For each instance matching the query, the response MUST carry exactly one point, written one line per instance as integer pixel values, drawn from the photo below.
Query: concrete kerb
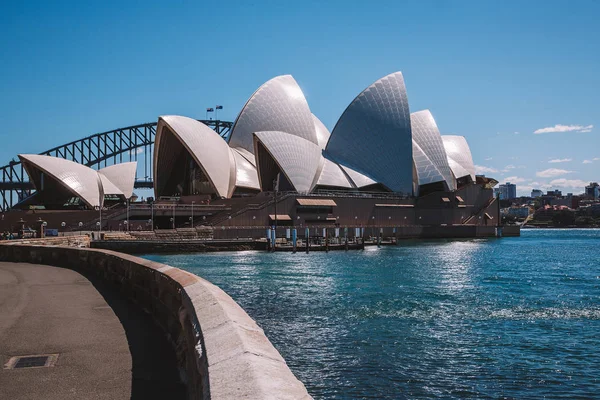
(222, 352)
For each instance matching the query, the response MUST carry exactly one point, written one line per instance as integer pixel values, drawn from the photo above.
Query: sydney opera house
(381, 165)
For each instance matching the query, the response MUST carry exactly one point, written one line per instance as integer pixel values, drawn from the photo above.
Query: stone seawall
(189, 246)
(222, 353)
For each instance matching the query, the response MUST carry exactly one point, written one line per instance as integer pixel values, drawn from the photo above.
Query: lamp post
(80, 225)
(127, 203)
(173, 222)
(63, 224)
(173, 219)
(193, 213)
(152, 216)
(100, 220)
(275, 189)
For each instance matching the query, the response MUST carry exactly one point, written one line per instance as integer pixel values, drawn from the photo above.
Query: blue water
(482, 318)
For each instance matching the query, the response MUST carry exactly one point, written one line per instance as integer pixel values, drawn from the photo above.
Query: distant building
(536, 193)
(507, 191)
(592, 190)
(554, 193)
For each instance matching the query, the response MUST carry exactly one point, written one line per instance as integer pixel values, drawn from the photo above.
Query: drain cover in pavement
(33, 361)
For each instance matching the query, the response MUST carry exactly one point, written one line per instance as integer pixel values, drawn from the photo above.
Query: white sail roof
(245, 173)
(426, 169)
(246, 154)
(373, 135)
(426, 135)
(80, 180)
(122, 176)
(459, 153)
(207, 148)
(278, 105)
(298, 158)
(322, 132)
(108, 187)
(332, 175)
(359, 180)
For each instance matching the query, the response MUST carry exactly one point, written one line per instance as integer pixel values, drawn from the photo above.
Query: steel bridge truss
(133, 143)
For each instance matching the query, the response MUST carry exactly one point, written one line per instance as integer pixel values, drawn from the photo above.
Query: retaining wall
(222, 352)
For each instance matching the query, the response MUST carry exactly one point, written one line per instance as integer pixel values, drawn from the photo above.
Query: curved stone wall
(222, 352)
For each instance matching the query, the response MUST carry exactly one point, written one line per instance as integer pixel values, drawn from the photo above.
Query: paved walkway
(108, 348)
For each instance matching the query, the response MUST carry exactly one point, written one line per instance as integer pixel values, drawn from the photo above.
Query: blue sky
(495, 72)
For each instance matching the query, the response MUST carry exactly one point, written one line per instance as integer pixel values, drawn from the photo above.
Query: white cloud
(508, 168)
(139, 150)
(480, 169)
(569, 183)
(515, 179)
(564, 128)
(489, 158)
(587, 161)
(596, 158)
(559, 160)
(517, 133)
(552, 172)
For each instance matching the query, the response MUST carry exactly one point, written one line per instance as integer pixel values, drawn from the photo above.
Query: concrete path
(108, 348)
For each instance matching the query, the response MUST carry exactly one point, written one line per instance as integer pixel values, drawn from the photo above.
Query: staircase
(476, 213)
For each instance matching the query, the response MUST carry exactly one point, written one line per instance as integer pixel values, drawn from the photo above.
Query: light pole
(80, 225)
(275, 187)
(127, 203)
(152, 216)
(173, 219)
(63, 224)
(173, 222)
(193, 213)
(100, 221)
(98, 225)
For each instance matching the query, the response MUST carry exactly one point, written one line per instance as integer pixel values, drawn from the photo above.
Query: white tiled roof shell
(332, 175)
(122, 175)
(457, 149)
(426, 169)
(373, 135)
(425, 133)
(278, 105)
(359, 180)
(322, 132)
(245, 173)
(80, 180)
(298, 158)
(208, 149)
(247, 155)
(108, 187)
(457, 169)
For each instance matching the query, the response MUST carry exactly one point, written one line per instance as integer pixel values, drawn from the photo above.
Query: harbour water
(481, 318)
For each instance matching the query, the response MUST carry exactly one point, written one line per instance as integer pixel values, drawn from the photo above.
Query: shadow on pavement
(154, 366)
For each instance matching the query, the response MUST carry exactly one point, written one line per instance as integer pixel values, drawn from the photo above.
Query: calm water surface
(511, 317)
